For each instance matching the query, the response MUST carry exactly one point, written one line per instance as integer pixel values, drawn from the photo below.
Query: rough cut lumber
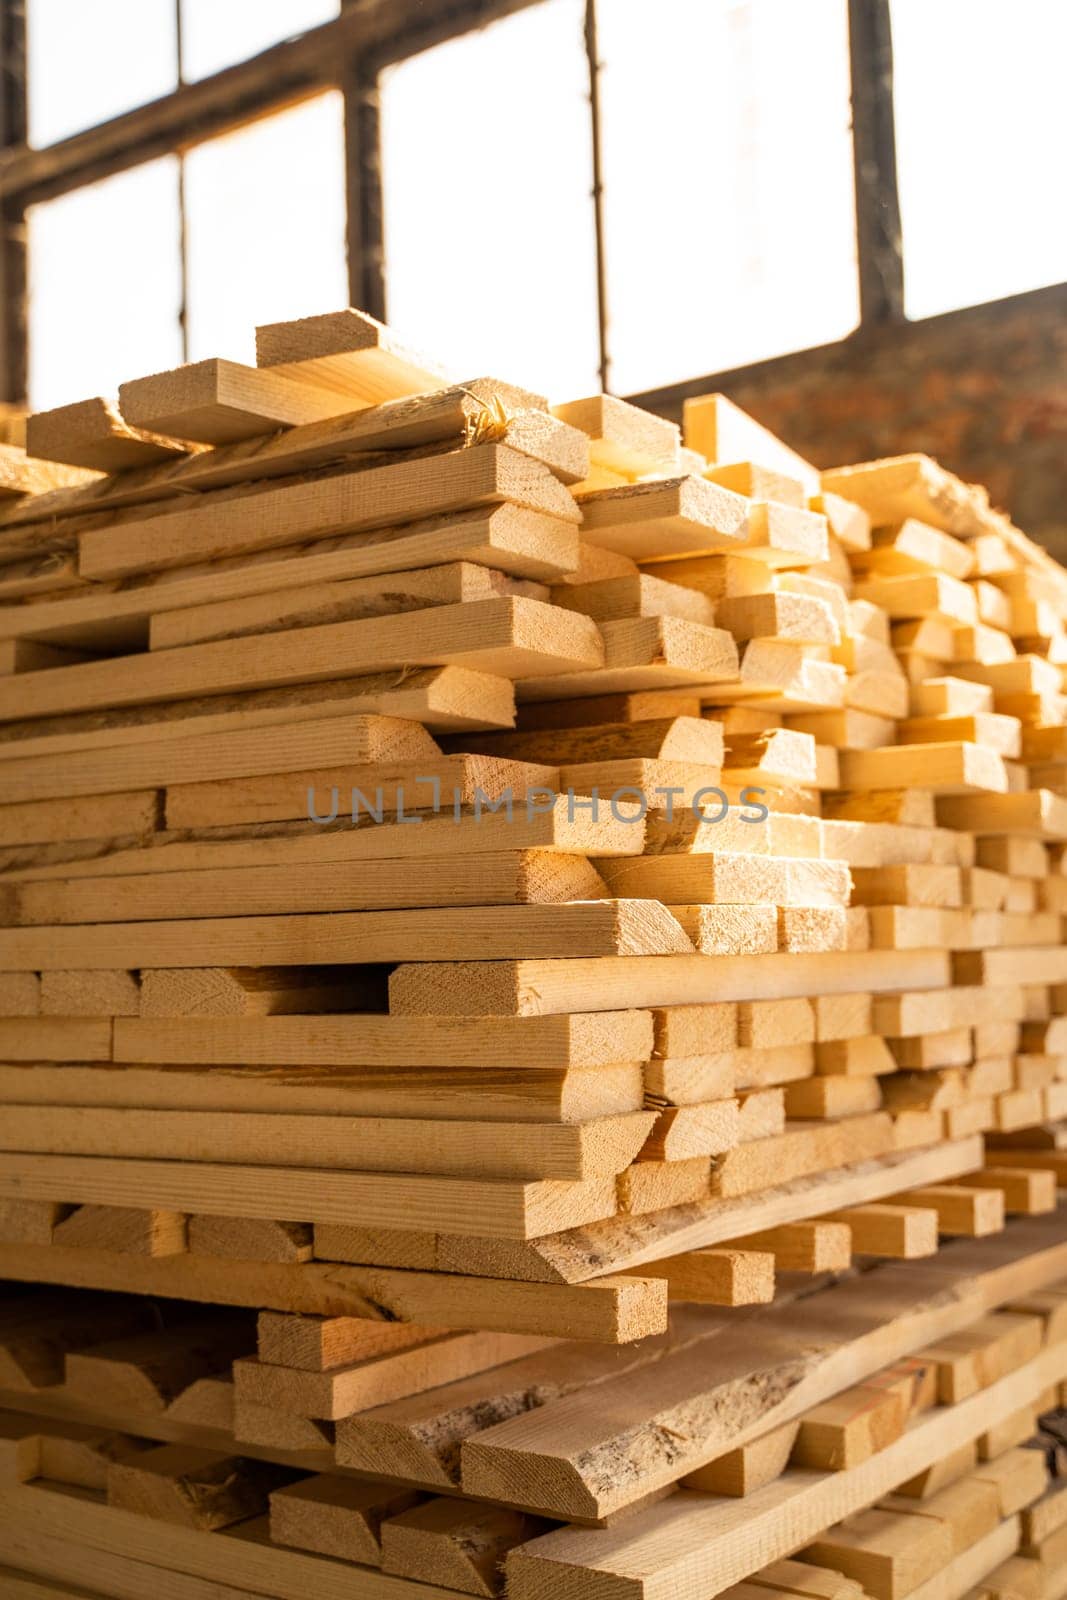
(88, 994)
(730, 1277)
(219, 402)
(375, 1380)
(530, 988)
(625, 1241)
(623, 438)
(503, 538)
(499, 933)
(521, 877)
(482, 783)
(215, 757)
(693, 1544)
(723, 433)
(192, 1487)
(336, 1516)
(572, 1152)
(314, 1344)
(492, 1094)
(250, 1239)
(647, 653)
(446, 417)
(454, 1543)
(611, 1311)
(240, 521)
(504, 637)
(147, 1371)
(563, 1039)
(24, 475)
(663, 517)
(438, 698)
(91, 433)
(496, 1207)
(898, 1231)
(347, 351)
(339, 600)
(251, 992)
(128, 1229)
(130, 816)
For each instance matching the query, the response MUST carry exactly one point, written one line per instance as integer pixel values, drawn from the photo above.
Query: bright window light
(728, 179)
(981, 131)
(489, 229)
(265, 227)
(217, 33)
(89, 60)
(105, 285)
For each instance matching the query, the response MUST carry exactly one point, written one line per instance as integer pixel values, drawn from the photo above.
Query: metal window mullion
(878, 236)
(363, 170)
(592, 53)
(13, 267)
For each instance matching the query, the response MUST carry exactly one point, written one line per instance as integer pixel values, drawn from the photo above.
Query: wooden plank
(573, 1152)
(512, 878)
(256, 991)
(648, 653)
(504, 538)
(622, 1242)
(335, 601)
(131, 1230)
(92, 433)
(437, 697)
(689, 739)
(663, 517)
(378, 497)
(147, 1371)
(623, 438)
(336, 1516)
(703, 1543)
(348, 351)
(212, 757)
(563, 1039)
(496, 1207)
(219, 402)
(724, 433)
(85, 817)
(89, 994)
(454, 1543)
(612, 1311)
(396, 788)
(504, 637)
(446, 417)
(729, 1277)
(314, 1344)
(498, 933)
(492, 1094)
(24, 475)
(559, 830)
(560, 1461)
(527, 988)
(378, 1379)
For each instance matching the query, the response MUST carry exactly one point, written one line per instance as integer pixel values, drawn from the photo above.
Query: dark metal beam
(281, 76)
(592, 52)
(881, 267)
(13, 127)
(363, 167)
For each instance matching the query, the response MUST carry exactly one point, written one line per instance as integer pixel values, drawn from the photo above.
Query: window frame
(349, 53)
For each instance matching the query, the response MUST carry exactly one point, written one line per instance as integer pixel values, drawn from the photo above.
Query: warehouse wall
(984, 390)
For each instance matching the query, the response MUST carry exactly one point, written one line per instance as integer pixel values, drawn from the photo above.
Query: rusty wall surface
(984, 390)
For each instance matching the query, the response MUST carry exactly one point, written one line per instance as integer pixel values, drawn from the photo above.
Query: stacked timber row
(515, 930)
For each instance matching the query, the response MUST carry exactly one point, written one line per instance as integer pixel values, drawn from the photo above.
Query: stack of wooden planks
(472, 863)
